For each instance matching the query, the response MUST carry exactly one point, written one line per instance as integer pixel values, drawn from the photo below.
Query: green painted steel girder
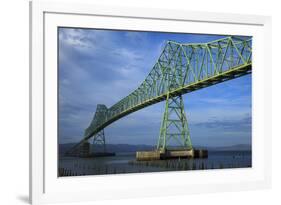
(174, 125)
(181, 68)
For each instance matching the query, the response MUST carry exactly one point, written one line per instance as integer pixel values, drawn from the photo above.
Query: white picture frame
(46, 187)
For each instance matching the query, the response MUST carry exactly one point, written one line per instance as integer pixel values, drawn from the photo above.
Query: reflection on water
(126, 163)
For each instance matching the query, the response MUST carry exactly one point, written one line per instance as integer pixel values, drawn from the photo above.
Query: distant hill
(110, 147)
(133, 148)
(238, 147)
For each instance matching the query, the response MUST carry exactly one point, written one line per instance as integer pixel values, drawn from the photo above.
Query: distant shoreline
(133, 148)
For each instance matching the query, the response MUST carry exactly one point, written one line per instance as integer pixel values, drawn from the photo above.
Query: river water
(126, 163)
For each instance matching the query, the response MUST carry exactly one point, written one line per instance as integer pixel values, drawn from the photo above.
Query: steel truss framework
(174, 125)
(99, 139)
(181, 68)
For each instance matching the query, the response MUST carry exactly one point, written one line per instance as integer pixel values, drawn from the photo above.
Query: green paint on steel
(99, 139)
(174, 125)
(186, 66)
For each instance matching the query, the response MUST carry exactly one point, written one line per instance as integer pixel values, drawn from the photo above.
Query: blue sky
(103, 66)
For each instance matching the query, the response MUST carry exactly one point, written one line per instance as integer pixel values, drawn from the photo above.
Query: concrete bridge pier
(171, 154)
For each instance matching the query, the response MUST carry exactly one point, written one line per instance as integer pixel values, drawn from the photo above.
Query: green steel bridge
(181, 68)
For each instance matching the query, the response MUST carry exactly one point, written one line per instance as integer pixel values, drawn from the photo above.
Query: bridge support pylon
(99, 139)
(174, 125)
(84, 149)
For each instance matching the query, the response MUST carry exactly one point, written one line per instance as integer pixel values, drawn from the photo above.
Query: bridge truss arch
(181, 68)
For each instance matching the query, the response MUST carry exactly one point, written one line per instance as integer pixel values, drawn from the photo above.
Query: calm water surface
(126, 163)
